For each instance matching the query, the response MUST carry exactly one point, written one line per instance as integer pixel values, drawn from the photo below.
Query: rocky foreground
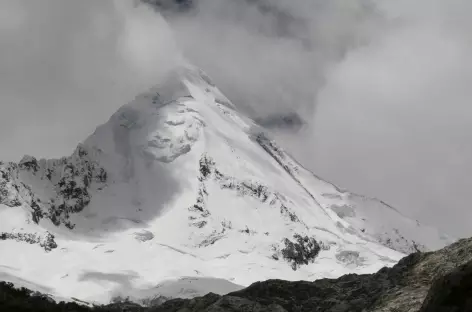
(425, 282)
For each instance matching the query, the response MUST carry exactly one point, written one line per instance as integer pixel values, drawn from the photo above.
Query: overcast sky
(66, 66)
(385, 90)
(395, 117)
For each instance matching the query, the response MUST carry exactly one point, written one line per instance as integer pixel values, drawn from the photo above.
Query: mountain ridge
(419, 282)
(180, 176)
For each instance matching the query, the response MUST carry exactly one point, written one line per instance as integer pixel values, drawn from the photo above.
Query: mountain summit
(178, 188)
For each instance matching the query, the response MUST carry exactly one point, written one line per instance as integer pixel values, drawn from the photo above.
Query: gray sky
(66, 66)
(385, 91)
(395, 117)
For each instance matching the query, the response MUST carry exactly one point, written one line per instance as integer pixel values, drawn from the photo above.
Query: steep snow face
(179, 184)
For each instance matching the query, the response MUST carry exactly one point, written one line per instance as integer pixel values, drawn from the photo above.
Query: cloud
(146, 41)
(384, 90)
(67, 66)
(394, 117)
(382, 86)
(270, 56)
(12, 15)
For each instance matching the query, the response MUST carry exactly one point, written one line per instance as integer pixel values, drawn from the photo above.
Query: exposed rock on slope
(47, 241)
(451, 292)
(53, 189)
(302, 251)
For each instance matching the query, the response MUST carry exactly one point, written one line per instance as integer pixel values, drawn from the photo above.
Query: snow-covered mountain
(179, 187)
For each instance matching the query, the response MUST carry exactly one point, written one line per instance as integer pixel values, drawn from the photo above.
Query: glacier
(180, 188)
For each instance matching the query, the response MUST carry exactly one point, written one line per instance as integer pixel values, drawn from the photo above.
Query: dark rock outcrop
(209, 170)
(46, 241)
(301, 251)
(68, 181)
(451, 292)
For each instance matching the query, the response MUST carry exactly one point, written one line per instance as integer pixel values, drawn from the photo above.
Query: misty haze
(160, 149)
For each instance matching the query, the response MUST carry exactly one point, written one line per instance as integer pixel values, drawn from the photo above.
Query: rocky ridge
(53, 189)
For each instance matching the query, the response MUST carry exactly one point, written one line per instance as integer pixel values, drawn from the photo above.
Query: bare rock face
(52, 189)
(451, 292)
(45, 241)
(301, 250)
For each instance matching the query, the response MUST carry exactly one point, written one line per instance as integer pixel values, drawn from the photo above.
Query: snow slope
(179, 184)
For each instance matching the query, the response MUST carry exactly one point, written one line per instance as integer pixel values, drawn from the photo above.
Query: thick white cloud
(394, 119)
(66, 66)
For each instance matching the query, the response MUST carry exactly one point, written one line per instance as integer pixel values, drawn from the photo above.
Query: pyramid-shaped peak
(179, 183)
